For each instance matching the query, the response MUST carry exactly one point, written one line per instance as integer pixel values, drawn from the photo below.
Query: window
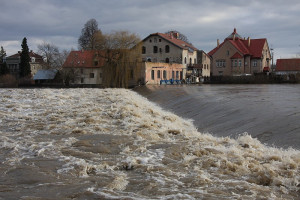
(155, 40)
(167, 60)
(91, 75)
(172, 74)
(152, 74)
(131, 74)
(96, 62)
(190, 60)
(177, 75)
(165, 74)
(81, 80)
(158, 74)
(254, 63)
(240, 63)
(227, 52)
(235, 63)
(33, 59)
(221, 63)
(100, 75)
(155, 49)
(150, 41)
(160, 50)
(81, 71)
(167, 49)
(143, 50)
(184, 60)
(159, 40)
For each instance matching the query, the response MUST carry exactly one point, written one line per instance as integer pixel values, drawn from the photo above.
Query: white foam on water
(161, 156)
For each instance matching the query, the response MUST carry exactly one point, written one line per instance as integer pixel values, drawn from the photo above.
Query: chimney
(218, 43)
(249, 41)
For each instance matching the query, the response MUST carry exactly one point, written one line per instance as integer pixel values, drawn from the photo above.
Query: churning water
(115, 144)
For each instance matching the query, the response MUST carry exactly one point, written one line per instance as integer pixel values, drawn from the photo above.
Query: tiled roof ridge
(177, 42)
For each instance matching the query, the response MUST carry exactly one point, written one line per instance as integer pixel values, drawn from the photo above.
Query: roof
(85, 59)
(172, 38)
(45, 74)
(31, 54)
(292, 64)
(254, 50)
(236, 56)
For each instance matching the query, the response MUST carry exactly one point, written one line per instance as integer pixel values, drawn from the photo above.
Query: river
(116, 144)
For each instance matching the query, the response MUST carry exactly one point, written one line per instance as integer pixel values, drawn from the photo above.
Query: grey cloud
(202, 21)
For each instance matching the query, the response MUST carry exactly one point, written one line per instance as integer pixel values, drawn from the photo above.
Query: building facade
(155, 72)
(84, 67)
(239, 56)
(287, 66)
(37, 62)
(171, 55)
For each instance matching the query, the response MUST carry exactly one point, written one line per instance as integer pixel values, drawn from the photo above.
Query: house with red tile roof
(287, 66)
(238, 56)
(85, 67)
(174, 56)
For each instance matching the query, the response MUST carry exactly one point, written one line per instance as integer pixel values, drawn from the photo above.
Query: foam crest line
(114, 143)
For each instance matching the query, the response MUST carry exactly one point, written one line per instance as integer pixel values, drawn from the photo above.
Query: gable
(173, 40)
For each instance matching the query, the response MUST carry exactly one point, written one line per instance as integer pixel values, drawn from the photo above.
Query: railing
(170, 82)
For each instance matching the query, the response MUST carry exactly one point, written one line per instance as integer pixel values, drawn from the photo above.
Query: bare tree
(89, 35)
(122, 55)
(181, 36)
(51, 53)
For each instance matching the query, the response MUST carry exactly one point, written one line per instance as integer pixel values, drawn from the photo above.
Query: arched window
(184, 60)
(167, 49)
(190, 60)
(143, 50)
(155, 49)
(167, 60)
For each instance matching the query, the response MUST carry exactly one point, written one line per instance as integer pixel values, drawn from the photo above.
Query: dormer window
(33, 59)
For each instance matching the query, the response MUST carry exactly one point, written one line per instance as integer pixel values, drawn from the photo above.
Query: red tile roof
(171, 37)
(292, 64)
(254, 50)
(236, 55)
(85, 59)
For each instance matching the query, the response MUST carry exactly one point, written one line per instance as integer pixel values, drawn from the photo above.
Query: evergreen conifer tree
(3, 66)
(25, 59)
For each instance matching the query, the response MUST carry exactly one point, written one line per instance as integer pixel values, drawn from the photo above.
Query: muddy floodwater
(116, 144)
(270, 113)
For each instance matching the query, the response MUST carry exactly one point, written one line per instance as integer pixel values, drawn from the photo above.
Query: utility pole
(272, 57)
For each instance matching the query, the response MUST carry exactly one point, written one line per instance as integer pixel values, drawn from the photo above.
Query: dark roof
(254, 50)
(45, 74)
(234, 34)
(31, 54)
(85, 59)
(172, 38)
(292, 64)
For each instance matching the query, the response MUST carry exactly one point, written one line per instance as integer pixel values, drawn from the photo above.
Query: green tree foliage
(25, 59)
(3, 66)
(90, 36)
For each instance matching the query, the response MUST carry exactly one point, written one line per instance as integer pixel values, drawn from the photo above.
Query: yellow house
(238, 56)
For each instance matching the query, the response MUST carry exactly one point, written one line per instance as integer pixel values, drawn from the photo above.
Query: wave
(115, 143)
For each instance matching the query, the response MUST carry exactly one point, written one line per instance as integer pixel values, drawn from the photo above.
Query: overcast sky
(60, 21)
